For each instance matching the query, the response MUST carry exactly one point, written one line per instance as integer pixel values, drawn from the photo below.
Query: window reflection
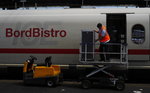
(138, 34)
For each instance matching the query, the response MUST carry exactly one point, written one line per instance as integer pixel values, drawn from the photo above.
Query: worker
(103, 38)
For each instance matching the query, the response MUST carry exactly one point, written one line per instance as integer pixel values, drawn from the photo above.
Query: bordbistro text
(35, 32)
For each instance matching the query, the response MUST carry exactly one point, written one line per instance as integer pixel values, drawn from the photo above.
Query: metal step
(110, 62)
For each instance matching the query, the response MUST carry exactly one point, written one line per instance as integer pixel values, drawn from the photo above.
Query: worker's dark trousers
(103, 48)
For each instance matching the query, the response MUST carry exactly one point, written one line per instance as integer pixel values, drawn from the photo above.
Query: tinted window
(138, 34)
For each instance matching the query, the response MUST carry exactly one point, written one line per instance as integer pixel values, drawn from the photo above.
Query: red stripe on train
(139, 52)
(65, 51)
(41, 51)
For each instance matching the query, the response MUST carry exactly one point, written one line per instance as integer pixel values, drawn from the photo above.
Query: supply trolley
(108, 73)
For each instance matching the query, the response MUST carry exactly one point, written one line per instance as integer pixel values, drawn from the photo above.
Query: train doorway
(116, 26)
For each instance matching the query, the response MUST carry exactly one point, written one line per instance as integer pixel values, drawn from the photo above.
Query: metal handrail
(123, 51)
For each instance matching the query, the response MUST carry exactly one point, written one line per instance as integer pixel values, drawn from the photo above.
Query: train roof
(75, 11)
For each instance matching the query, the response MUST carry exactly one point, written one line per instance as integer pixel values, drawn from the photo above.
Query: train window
(138, 34)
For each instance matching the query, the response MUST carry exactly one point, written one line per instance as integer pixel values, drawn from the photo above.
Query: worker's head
(99, 25)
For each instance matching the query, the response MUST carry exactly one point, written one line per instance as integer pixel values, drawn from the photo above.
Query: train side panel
(138, 37)
(51, 35)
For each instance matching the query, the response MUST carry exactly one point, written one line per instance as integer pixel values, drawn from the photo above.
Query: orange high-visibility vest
(106, 37)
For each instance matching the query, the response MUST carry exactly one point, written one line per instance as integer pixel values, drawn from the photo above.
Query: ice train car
(57, 33)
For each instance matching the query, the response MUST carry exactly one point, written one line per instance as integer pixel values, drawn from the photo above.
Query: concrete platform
(16, 86)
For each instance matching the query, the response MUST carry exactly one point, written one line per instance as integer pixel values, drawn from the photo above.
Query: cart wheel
(86, 84)
(120, 85)
(50, 83)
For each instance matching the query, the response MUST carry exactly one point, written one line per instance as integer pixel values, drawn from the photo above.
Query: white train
(57, 33)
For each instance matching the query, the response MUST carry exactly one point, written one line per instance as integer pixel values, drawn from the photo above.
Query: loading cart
(106, 79)
(104, 73)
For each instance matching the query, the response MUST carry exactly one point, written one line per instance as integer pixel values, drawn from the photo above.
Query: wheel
(120, 85)
(50, 83)
(86, 84)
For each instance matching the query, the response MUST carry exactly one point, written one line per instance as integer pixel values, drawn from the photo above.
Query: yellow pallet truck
(43, 75)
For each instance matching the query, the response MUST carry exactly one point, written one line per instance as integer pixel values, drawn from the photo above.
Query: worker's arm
(98, 37)
(95, 31)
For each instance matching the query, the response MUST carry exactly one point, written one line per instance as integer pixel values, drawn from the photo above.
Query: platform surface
(16, 86)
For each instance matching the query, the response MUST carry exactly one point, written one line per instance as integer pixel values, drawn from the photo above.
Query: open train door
(138, 37)
(116, 26)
